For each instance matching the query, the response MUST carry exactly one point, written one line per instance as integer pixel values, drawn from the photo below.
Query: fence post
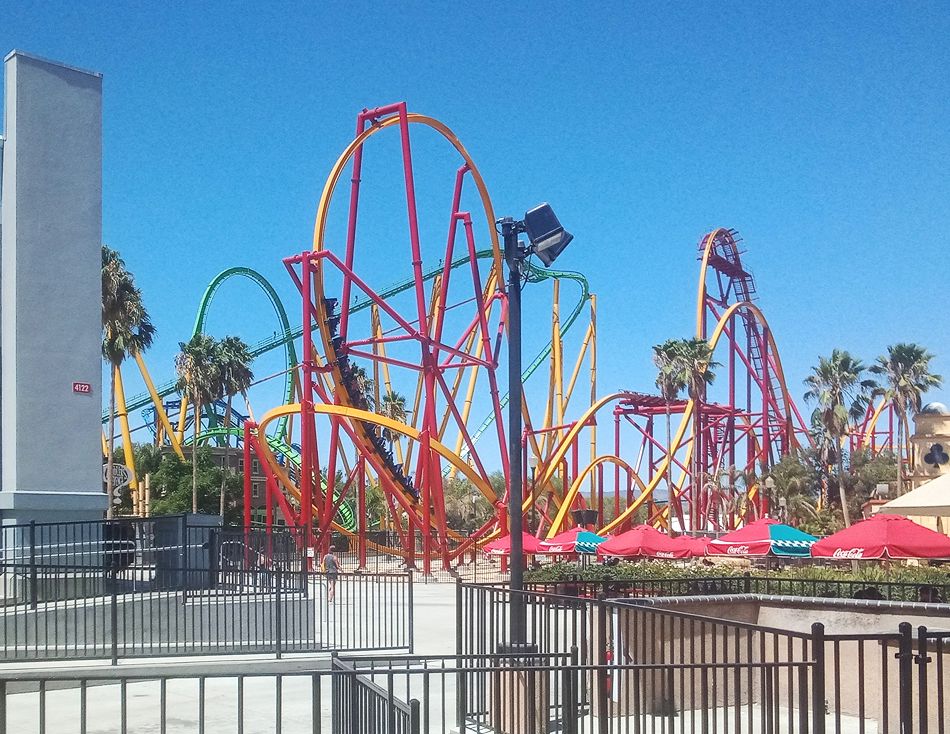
(922, 661)
(415, 720)
(33, 580)
(114, 619)
(458, 616)
(603, 694)
(569, 689)
(184, 558)
(412, 606)
(905, 656)
(747, 582)
(278, 612)
(818, 678)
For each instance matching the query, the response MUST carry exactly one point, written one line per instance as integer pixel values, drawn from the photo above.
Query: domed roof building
(930, 444)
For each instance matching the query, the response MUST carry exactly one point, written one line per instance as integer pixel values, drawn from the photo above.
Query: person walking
(331, 567)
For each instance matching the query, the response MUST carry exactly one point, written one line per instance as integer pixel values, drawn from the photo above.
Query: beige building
(930, 444)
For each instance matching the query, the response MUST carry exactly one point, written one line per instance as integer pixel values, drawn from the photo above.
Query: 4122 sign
(83, 388)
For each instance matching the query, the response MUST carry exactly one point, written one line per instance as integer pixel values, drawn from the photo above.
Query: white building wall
(50, 300)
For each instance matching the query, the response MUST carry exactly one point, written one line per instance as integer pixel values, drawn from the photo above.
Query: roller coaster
(439, 335)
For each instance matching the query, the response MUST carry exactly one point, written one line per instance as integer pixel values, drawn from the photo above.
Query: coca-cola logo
(738, 550)
(849, 553)
(665, 554)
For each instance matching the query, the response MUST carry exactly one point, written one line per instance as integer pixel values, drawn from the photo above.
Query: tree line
(840, 386)
(208, 370)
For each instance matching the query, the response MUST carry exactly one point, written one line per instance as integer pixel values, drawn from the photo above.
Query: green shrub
(804, 580)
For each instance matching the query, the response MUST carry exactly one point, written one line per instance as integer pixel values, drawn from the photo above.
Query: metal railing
(524, 694)
(932, 593)
(840, 682)
(69, 612)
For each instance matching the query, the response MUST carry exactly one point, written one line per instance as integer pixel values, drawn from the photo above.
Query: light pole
(547, 240)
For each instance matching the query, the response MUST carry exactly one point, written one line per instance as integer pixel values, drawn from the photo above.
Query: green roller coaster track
(286, 337)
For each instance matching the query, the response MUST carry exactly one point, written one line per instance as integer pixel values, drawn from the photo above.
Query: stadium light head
(548, 238)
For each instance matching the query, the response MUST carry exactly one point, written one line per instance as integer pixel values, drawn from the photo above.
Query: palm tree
(234, 364)
(836, 385)
(364, 384)
(199, 377)
(126, 330)
(393, 406)
(905, 371)
(670, 380)
(697, 370)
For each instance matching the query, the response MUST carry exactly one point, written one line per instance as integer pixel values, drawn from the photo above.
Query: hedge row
(658, 570)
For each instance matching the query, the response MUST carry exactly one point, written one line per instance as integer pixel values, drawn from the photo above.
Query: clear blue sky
(818, 130)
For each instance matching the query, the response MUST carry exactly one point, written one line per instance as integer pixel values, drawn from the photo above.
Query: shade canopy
(644, 540)
(881, 536)
(502, 546)
(575, 540)
(760, 538)
(931, 499)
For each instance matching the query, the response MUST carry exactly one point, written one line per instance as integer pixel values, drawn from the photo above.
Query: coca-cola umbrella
(761, 538)
(644, 540)
(502, 546)
(890, 536)
(575, 540)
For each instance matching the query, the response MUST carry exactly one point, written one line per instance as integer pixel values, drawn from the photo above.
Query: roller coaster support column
(249, 427)
(510, 229)
(361, 512)
(307, 424)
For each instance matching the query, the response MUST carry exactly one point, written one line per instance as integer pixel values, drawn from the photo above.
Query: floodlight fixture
(548, 238)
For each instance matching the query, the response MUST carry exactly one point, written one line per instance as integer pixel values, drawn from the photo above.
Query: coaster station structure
(439, 336)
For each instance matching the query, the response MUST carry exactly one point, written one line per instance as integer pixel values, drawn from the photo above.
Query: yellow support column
(123, 415)
(160, 408)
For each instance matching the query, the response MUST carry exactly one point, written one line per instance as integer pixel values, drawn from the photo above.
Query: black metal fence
(931, 593)
(528, 693)
(774, 679)
(183, 586)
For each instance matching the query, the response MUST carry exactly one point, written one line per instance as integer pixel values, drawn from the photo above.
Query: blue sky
(818, 130)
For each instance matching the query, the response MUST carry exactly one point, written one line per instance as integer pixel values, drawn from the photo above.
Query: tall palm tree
(234, 364)
(697, 371)
(841, 392)
(670, 381)
(905, 371)
(199, 377)
(126, 330)
(393, 406)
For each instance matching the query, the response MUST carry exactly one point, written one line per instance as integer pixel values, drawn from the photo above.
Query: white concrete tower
(50, 300)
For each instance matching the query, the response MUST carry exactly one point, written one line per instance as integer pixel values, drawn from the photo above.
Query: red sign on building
(82, 387)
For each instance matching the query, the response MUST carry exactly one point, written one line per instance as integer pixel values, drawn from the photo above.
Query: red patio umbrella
(890, 536)
(502, 546)
(644, 540)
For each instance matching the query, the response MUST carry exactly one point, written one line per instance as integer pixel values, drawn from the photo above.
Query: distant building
(930, 444)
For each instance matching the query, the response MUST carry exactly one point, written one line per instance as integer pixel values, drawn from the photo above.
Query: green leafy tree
(126, 330)
(177, 485)
(466, 509)
(906, 376)
(798, 483)
(235, 377)
(838, 387)
(199, 378)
